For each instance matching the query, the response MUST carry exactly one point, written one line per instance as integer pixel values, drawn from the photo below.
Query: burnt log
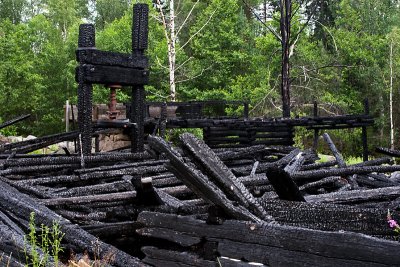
(316, 166)
(370, 181)
(317, 184)
(207, 161)
(314, 175)
(113, 187)
(113, 197)
(340, 161)
(162, 257)
(389, 152)
(198, 182)
(11, 198)
(329, 217)
(113, 230)
(356, 196)
(34, 144)
(96, 158)
(284, 185)
(295, 164)
(279, 245)
(262, 167)
(15, 120)
(245, 153)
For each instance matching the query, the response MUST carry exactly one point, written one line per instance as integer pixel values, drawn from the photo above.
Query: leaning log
(15, 120)
(205, 159)
(198, 182)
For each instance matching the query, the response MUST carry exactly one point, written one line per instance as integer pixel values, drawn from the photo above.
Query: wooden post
(139, 44)
(246, 110)
(86, 40)
(316, 131)
(364, 132)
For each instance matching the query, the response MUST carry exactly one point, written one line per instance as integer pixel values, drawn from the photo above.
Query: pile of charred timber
(191, 205)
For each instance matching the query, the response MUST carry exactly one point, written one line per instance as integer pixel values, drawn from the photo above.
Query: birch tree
(168, 11)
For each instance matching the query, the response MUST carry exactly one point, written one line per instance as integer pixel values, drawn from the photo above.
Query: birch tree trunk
(172, 52)
(391, 96)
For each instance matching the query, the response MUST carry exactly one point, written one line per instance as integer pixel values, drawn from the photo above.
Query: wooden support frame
(110, 68)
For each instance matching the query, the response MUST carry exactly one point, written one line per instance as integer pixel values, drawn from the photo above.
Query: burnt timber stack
(196, 206)
(211, 202)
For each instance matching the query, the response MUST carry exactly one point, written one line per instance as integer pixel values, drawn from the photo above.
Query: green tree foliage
(109, 10)
(341, 56)
(12, 10)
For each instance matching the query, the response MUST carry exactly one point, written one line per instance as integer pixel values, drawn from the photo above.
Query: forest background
(342, 52)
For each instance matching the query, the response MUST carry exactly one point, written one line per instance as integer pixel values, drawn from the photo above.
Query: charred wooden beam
(295, 164)
(315, 166)
(107, 58)
(95, 158)
(356, 196)
(339, 159)
(207, 161)
(113, 75)
(113, 230)
(118, 186)
(163, 257)
(148, 162)
(243, 171)
(323, 181)
(37, 143)
(11, 198)
(280, 245)
(389, 152)
(140, 170)
(15, 120)
(86, 40)
(114, 197)
(314, 175)
(198, 182)
(283, 184)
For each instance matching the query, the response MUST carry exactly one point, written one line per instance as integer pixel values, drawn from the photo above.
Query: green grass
(349, 160)
(353, 160)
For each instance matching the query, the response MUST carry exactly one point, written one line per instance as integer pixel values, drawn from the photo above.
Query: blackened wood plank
(284, 185)
(208, 161)
(125, 196)
(198, 182)
(356, 196)
(162, 257)
(98, 57)
(11, 198)
(331, 247)
(113, 75)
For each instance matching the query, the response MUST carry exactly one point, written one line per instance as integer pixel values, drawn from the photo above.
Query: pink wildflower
(393, 224)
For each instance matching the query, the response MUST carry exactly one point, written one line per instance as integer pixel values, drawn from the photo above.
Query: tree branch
(260, 20)
(304, 25)
(186, 61)
(187, 17)
(191, 37)
(196, 76)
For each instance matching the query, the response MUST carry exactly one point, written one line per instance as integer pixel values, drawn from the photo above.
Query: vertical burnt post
(316, 131)
(163, 119)
(364, 132)
(139, 44)
(86, 40)
(246, 110)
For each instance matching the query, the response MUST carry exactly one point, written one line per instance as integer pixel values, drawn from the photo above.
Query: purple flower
(393, 224)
